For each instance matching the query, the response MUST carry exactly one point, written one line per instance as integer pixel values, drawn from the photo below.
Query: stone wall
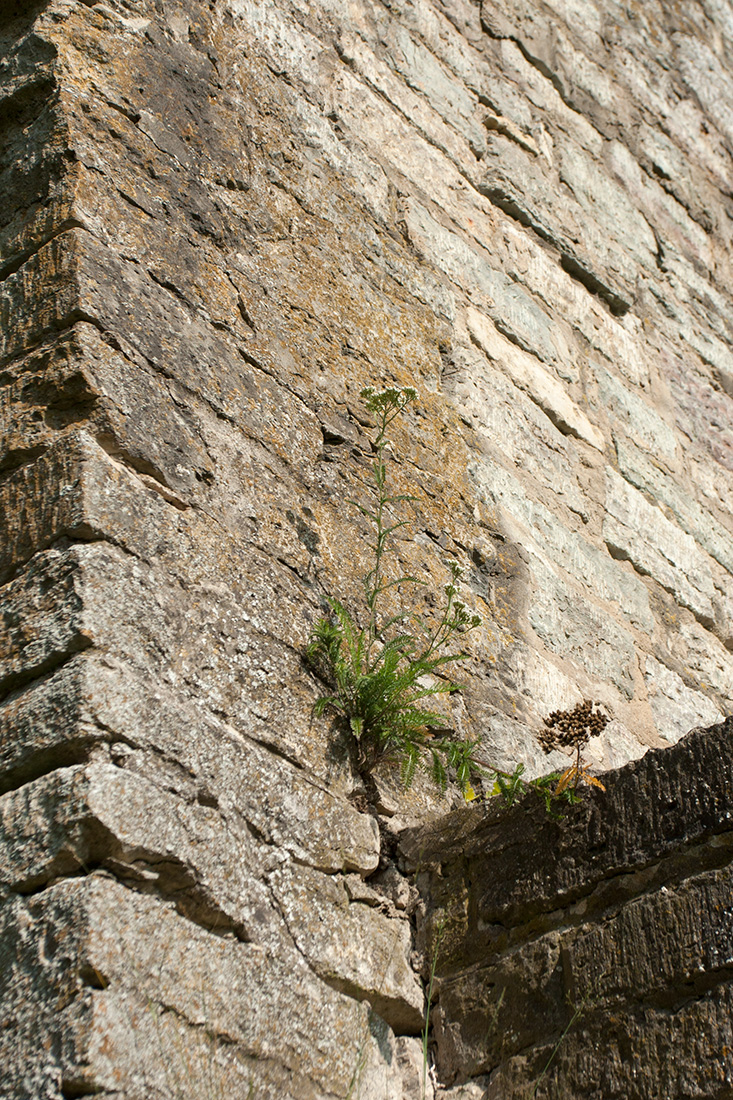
(218, 223)
(589, 956)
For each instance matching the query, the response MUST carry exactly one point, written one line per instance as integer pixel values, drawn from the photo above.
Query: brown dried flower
(573, 728)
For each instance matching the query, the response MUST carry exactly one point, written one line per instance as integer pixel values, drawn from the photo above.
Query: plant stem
(578, 1012)
(374, 578)
(439, 930)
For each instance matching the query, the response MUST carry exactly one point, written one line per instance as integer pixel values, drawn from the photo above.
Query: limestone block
(683, 1051)
(35, 181)
(580, 631)
(535, 380)
(399, 145)
(654, 947)
(488, 1013)
(451, 122)
(552, 541)
(532, 88)
(421, 65)
(351, 945)
(511, 309)
(647, 476)
(453, 35)
(570, 59)
(619, 339)
(77, 480)
(691, 189)
(648, 806)
(644, 956)
(679, 935)
(635, 417)
(77, 273)
(42, 622)
(642, 1051)
(703, 411)
(709, 79)
(81, 817)
(712, 351)
(523, 185)
(416, 1080)
(499, 410)
(151, 1001)
(676, 707)
(48, 389)
(682, 235)
(94, 699)
(407, 154)
(609, 206)
(702, 658)
(637, 530)
(40, 297)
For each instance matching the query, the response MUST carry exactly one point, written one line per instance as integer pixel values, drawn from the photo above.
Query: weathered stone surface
(513, 311)
(677, 708)
(530, 376)
(496, 409)
(685, 1051)
(664, 946)
(351, 945)
(147, 998)
(555, 542)
(626, 978)
(218, 223)
(684, 795)
(679, 936)
(635, 417)
(92, 701)
(82, 817)
(637, 468)
(637, 530)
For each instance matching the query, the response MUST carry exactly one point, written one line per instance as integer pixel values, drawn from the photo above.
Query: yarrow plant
(381, 672)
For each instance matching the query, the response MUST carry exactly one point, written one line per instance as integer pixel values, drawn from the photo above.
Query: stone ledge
(518, 863)
(605, 937)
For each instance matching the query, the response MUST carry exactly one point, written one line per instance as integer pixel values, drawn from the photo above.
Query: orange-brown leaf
(566, 779)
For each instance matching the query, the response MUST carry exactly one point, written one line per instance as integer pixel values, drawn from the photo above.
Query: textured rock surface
(614, 923)
(218, 223)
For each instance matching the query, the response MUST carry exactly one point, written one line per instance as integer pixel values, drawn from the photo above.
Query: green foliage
(550, 788)
(381, 673)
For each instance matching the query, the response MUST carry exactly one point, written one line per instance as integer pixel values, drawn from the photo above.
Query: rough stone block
(40, 297)
(665, 945)
(553, 541)
(352, 945)
(513, 311)
(644, 474)
(677, 708)
(581, 631)
(634, 416)
(127, 405)
(145, 998)
(157, 733)
(674, 797)
(487, 1014)
(523, 184)
(538, 383)
(637, 530)
(498, 410)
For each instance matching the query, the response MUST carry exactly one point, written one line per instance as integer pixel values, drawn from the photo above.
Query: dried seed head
(571, 728)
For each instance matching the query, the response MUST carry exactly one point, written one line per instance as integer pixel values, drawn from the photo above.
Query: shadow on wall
(602, 941)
